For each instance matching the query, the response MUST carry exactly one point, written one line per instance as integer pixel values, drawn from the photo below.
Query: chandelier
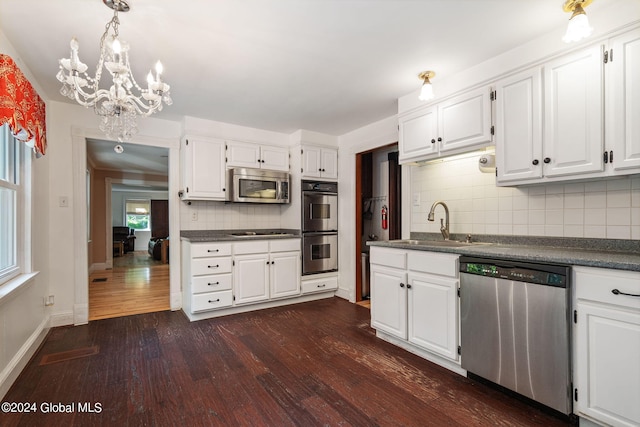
(121, 104)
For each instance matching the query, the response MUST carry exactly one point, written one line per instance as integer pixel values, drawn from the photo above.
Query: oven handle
(320, 233)
(321, 193)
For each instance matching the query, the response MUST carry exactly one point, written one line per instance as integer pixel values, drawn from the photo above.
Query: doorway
(378, 206)
(128, 215)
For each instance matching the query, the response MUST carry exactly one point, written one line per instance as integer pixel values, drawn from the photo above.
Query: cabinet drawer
(284, 245)
(211, 301)
(251, 247)
(396, 258)
(209, 249)
(217, 282)
(319, 285)
(597, 284)
(433, 263)
(207, 266)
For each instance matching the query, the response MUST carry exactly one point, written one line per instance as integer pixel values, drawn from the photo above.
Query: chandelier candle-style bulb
(124, 100)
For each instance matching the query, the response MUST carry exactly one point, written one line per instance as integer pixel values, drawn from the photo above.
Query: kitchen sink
(445, 243)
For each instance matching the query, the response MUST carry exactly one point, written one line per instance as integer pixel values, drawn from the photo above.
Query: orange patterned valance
(21, 106)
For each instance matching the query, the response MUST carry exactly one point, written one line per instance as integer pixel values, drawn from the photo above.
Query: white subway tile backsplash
(595, 209)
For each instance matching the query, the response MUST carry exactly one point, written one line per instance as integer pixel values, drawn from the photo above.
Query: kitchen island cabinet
(607, 346)
(414, 302)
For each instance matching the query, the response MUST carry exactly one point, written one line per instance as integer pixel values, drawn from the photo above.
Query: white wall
(24, 319)
(367, 138)
(595, 209)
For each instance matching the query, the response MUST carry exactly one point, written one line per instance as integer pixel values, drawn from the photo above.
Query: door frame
(359, 207)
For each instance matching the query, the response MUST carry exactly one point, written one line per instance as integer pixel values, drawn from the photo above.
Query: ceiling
(135, 158)
(329, 66)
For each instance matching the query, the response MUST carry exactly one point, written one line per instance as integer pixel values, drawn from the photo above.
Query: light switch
(63, 201)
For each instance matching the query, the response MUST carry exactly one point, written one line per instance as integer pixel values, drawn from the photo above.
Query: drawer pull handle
(617, 292)
(213, 250)
(322, 286)
(214, 300)
(213, 284)
(214, 266)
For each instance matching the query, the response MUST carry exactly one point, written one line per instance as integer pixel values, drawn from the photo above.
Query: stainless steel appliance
(257, 186)
(319, 206)
(515, 327)
(319, 252)
(319, 227)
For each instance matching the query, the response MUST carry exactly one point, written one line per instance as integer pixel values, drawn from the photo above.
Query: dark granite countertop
(604, 253)
(238, 235)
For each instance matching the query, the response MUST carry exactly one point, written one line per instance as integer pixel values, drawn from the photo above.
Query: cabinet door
(284, 277)
(573, 114)
(329, 163)
(251, 278)
(389, 300)
(203, 168)
(465, 120)
(519, 127)
(433, 314)
(608, 364)
(418, 134)
(311, 161)
(243, 155)
(274, 158)
(623, 113)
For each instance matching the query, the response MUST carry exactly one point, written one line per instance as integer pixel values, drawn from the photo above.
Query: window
(12, 201)
(138, 214)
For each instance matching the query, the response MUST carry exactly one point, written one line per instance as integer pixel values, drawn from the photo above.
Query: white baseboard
(10, 373)
(61, 319)
(81, 314)
(176, 301)
(99, 266)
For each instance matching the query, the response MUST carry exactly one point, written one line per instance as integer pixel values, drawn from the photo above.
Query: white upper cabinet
(202, 164)
(589, 127)
(418, 133)
(623, 102)
(248, 155)
(519, 126)
(465, 121)
(573, 114)
(458, 124)
(319, 162)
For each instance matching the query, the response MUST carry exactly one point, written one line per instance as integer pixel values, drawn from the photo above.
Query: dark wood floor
(316, 363)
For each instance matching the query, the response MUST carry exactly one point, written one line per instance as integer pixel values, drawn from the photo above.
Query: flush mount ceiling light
(578, 27)
(121, 104)
(427, 90)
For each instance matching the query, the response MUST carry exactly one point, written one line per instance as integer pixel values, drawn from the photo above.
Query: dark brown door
(159, 218)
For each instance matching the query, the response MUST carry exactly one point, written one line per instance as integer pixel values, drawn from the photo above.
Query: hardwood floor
(316, 363)
(136, 284)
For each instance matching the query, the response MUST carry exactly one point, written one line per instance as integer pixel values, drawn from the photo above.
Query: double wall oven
(319, 227)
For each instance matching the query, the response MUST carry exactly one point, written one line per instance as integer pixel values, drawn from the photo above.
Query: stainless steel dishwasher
(515, 327)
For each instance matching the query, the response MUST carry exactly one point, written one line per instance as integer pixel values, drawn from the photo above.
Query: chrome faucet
(444, 228)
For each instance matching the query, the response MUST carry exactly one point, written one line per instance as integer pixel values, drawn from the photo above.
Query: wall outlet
(416, 199)
(194, 216)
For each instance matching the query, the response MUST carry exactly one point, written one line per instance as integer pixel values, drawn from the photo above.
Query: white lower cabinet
(207, 276)
(218, 277)
(414, 298)
(607, 346)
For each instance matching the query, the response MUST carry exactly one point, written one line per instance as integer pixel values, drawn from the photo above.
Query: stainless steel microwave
(248, 185)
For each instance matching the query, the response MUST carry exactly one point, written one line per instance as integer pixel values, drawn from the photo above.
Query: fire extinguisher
(385, 224)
